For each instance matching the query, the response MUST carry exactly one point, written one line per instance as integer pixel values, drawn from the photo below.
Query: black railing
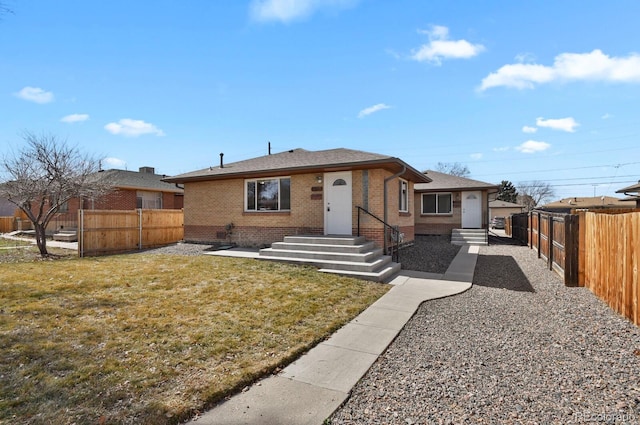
(392, 235)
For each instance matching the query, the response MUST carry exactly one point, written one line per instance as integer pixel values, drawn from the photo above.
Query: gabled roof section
(503, 204)
(589, 202)
(442, 182)
(124, 179)
(633, 188)
(298, 161)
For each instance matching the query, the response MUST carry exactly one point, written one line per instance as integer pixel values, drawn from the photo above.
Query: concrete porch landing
(311, 388)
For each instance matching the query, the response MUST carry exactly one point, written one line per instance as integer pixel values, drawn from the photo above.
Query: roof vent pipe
(221, 164)
(269, 148)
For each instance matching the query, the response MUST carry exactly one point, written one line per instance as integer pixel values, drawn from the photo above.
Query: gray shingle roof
(444, 182)
(299, 161)
(125, 179)
(632, 188)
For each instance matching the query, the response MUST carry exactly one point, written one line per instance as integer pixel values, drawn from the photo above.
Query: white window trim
(436, 195)
(406, 196)
(246, 206)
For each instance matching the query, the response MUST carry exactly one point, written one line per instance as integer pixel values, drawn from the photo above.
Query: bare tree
(534, 193)
(453, 168)
(44, 175)
(4, 9)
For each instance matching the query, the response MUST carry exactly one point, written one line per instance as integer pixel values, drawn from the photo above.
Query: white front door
(337, 203)
(471, 210)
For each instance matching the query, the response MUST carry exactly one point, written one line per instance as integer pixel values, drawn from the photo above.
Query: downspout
(385, 215)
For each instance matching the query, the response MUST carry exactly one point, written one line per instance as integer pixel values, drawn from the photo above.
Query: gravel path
(517, 348)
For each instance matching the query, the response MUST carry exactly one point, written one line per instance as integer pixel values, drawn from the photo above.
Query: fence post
(582, 227)
(571, 255)
(81, 233)
(140, 228)
(530, 228)
(550, 242)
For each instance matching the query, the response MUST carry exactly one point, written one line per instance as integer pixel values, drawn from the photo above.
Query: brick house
(259, 201)
(131, 189)
(451, 202)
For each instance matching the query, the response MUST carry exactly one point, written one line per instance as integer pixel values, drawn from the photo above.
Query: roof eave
(395, 164)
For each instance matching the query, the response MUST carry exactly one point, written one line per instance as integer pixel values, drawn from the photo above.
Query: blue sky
(515, 90)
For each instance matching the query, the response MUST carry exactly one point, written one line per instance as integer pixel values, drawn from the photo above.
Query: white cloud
(115, 162)
(564, 124)
(532, 146)
(527, 129)
(606, 116)
(75, 118)
(440, 47)
(525, 57)
(501, 149)
(292, 10)
(132, 128)
(593, 66)
(371, 109)
(476, 156)
(35, 94)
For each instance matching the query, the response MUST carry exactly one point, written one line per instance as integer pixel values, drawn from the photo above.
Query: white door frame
(338, 203)
(472, 210)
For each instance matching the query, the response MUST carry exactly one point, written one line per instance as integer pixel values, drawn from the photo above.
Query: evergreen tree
(507, 192)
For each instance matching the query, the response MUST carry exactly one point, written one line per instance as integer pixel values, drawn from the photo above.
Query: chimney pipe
(269, 148)
(221, 164)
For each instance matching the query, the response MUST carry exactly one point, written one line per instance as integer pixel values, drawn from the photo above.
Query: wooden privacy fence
(599, 250)
(7, 224)
(611, 260)
(553, 236)
(102, 232)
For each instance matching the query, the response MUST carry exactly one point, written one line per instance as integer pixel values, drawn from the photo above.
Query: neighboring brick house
(259, 201)
(451, 202)
(131, 190)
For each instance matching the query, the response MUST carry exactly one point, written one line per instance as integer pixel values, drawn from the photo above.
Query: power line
(579, 184)
(558, 169)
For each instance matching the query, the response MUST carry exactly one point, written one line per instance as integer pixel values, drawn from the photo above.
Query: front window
(268, 194)
(436, 203)
(404, 196)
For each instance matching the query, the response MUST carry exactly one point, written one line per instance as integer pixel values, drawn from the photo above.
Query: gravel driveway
(517, 348)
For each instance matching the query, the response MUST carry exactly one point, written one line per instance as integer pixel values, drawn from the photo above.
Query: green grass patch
(154, 338)
(13, 243)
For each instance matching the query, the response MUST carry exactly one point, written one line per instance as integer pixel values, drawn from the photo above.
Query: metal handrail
(395, 231)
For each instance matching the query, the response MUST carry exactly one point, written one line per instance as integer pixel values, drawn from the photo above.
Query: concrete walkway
(311, 388)
(50, 243)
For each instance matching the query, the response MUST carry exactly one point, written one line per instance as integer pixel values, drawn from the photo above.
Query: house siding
(221, 203)
(211, 206)
(430, 224)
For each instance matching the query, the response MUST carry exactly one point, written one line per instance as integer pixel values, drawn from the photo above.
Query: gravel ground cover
(517, 348)
(431, 254)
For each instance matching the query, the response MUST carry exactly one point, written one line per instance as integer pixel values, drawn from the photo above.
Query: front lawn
(153, 338)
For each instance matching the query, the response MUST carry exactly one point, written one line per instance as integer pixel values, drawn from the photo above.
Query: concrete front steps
(469, 237)
(345, 255)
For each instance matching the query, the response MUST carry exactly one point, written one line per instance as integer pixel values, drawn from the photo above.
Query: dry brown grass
(153, 338)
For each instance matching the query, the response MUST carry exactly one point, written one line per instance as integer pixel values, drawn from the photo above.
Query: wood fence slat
(106, 231)
(7, 224)
(611, 254)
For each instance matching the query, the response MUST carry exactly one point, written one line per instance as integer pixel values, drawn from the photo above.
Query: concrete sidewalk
(310, 389)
